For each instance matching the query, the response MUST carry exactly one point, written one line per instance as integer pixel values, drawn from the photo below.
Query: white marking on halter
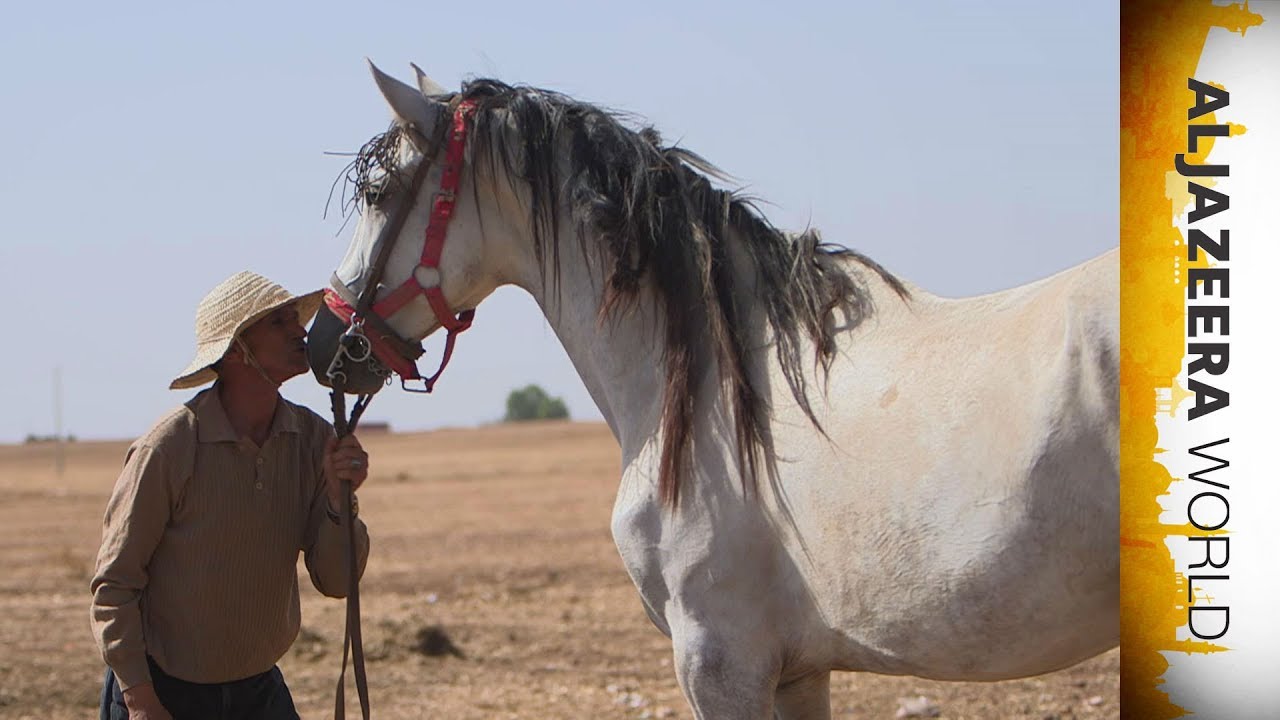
(427, 277)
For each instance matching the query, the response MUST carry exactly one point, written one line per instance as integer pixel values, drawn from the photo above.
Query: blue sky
(151, 150)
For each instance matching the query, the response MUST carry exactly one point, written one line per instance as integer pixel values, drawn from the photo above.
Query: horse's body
(955, 518)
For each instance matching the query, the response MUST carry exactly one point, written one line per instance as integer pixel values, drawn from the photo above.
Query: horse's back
(967, 490)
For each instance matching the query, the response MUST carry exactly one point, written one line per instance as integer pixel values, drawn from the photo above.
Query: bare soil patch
(493, 591)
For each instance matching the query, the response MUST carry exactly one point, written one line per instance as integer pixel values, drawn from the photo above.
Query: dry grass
(493, 591)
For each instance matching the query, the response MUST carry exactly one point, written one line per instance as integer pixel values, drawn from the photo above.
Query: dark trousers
(263, 696)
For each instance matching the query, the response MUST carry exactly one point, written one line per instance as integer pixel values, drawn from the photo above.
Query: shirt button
(259, 486)
(259, 461)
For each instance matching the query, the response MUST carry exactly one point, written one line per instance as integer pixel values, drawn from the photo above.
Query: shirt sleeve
(136, 516)
(325, 550)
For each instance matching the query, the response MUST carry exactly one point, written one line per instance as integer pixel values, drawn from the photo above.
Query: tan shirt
(200, 542)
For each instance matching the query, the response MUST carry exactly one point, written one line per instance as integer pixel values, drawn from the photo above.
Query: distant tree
(532, 403)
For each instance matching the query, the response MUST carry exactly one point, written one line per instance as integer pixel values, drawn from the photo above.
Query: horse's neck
(619, 358)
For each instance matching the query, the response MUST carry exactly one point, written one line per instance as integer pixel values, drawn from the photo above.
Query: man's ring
(356, 463)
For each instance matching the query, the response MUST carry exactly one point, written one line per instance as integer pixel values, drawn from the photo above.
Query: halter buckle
(427, 386)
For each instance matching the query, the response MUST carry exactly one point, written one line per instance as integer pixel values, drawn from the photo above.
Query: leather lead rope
(352, 639)
(442, 210)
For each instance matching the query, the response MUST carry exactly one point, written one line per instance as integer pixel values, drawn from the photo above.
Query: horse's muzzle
(324, 342)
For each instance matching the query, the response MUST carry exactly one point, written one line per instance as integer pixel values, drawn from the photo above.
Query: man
(195, 595)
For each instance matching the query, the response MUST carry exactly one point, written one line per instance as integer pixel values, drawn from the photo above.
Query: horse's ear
(408, 105)
(429, 87)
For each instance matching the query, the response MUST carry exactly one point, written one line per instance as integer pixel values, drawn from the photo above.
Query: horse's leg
(808, 698)
(722, 674)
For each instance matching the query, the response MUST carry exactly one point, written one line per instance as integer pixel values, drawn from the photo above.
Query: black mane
(658, 217)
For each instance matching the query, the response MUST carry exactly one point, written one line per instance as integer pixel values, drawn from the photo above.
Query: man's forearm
(326, 559)
(117, 627)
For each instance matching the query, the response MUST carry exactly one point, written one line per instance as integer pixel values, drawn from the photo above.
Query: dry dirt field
(493, 591)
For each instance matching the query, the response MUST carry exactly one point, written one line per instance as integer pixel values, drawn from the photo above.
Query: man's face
(279, 343)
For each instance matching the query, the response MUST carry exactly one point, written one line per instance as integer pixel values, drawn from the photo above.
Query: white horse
(822, 468)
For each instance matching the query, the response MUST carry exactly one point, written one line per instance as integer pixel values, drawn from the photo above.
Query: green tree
(532, 403)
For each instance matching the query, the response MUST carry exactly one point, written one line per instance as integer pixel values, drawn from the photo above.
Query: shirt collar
(286, 418)
(214, 426)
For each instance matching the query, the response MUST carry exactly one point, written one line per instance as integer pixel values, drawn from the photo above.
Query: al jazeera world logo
(1208, 357)
(1184, 79)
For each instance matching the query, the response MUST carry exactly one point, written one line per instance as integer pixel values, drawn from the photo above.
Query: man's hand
(343, 460)
(143, 703)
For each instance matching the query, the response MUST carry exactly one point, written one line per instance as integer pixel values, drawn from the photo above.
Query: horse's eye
(373, 196)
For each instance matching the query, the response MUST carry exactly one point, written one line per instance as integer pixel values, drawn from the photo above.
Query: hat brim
(199, 371)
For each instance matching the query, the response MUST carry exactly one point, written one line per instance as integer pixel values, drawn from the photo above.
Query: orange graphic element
(1160, 46)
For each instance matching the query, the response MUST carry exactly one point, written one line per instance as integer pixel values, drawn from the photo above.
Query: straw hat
(235, 304)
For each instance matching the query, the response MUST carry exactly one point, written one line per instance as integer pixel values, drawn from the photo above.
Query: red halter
(428, 269)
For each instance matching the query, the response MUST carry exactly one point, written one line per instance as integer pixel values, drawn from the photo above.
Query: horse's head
(418, 260)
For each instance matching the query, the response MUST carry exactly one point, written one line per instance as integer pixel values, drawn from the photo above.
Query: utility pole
(59, 461)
